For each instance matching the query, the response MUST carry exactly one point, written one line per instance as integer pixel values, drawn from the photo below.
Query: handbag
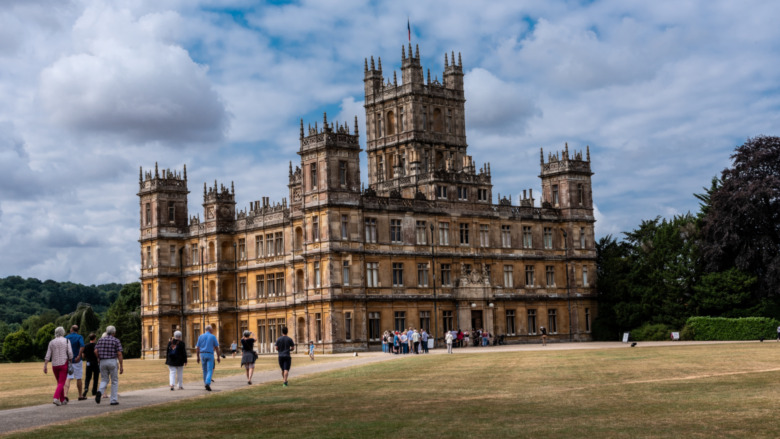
(70, 367)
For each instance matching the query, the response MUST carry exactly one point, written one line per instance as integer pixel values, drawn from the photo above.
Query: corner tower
(566, 183)
(163, 200)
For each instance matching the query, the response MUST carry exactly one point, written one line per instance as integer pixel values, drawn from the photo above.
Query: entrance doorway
(476, 319)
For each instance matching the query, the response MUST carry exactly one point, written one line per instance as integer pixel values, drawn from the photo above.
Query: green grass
(683, 391)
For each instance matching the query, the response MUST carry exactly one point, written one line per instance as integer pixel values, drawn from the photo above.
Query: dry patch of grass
(686, 391)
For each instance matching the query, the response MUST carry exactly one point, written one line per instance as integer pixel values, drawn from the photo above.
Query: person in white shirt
(448, 338)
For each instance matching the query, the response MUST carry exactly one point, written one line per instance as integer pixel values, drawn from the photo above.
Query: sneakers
(57, 402)
(208, 387)
(181, 388)
(98, 396)
(285, 384)
(171, 388)
(82, 398)
(115, 403)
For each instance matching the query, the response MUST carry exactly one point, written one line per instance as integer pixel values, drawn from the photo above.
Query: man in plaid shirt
(109, 351)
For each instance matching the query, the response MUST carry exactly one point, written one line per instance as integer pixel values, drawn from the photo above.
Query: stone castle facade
(423, 245)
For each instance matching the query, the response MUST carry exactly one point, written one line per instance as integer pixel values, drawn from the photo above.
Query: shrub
(652, 332)
(721, 328)
(18, 346)
(42, 339)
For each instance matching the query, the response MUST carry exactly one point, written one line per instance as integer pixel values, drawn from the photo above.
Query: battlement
(412, 73)
(263, 207)
(221, 195)
(562, 161)
(169, 180)
(330, 135)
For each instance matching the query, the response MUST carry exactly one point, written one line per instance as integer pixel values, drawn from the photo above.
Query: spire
(403, 52)
(185, 172)
(453, 58)
(156, 173)
(372, 62)
(232, 188)
(541, 156)
(356, 126)
(566, 150)
(410, 50)
(429, 76)
(324, 120)
(395, 79)
(587, 150)
(446, 62)
(140, 174)
(417, 51)
(365, 65)
(301, 128)
(380, 63)
(290, 168)
(460, 63)
(204, 190)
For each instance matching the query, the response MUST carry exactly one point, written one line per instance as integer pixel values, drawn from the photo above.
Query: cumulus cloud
(495, 105)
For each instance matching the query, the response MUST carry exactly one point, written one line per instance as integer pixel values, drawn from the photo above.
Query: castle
(423, 245)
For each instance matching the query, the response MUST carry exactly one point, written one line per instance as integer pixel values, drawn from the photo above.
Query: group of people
(405, 342)
(68, 353)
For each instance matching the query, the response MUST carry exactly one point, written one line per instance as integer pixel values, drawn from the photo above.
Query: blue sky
(662, 92)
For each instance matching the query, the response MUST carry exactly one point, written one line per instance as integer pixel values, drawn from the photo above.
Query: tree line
(723, 261)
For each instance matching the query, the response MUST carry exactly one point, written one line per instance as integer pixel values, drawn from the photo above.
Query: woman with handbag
(60, 354)
(248, 356)
(176, 359)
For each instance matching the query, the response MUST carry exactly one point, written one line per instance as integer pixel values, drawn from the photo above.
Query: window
(587, 319)
(449, 120)
(258, 246)
(549, 272)
(508, 278)
(401, 119)
(348, 326)
(582, 237)
(422, 275)
(398, 274)
(195, 332)
(400, 321)
(531, 321)
(195, 291)
(446, 278)
(279, 243)
(261, 335)
(380, 168)
(529, 275)
(194, 254)
(244, 325)
(373, 326)
(506, 236)
(444, 233)
(424, 117)
(548, 239)
(148, 256)
(371, 230)
(260, 285)
(379, 125)
(315, 228)
(313, 176)
(242, 249)
(280, 291)
(174, 292)
(344, 227)
(425, 320)
(172, 255)
(342, 173)
(555, 200)
(510, 322)
(242, 288)
(421, 233)
(484, 235)
(528, 240)
(148, 214)
(395, 231)
(585, 276)
(552, 321)
(482, 194)
(271, 285)
(172, 211)
(149, 297)
(345, 273)
(269, 244)
(580, 194)
(372, 274)
(317, 281)
(441, 192)
(464, 234)
(318, 326)
(446, 320)
(462, 193)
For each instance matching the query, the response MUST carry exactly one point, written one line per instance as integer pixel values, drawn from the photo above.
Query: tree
(125, 315)
(18, 346)
(741, 228)
(724, 294)
(42, 339)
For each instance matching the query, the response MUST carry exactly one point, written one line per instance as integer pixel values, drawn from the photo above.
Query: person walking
(311, 350)
(543, 330)
(207, 349)
(778, 333)
(93, 367)
(396, 343)
(176, 359)
(108, 351)
(284, 345)
(233, 348)
(460, 338)
(416, 342)
(448, 339)
(77, 344)
(405, 342)
(424, 339)
(59, 353)
(248, 355)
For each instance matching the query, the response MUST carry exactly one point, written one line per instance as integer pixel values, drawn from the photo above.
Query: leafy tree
(724, 293)
(742, 226)
(613, 285)
(125, 315)
(33, 323)
(42, 339)
(90, 322)
(18, 346)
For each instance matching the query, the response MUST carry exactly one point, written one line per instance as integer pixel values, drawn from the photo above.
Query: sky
(662, 92)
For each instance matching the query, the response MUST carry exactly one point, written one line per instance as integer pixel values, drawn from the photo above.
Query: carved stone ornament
(210, 213)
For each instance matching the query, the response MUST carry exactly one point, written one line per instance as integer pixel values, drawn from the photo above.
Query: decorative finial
(403, 52)
(290, 168)
(316, 130)
(587, 150)
(232, 188)
(417, 51)
(325, 119)
(395, 79)
(365, 65)
(429, 76)
(356, 126)
(185, 172)
(204, 190)
(446, 62)
(156, 173)
(541, 155)
(380, 63)
(372, 62)
(410, 50)
(567, 149)
(140, 174)
(301, 128)
(453, 58)
(460, 63)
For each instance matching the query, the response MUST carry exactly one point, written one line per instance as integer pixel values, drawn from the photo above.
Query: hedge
(722, 328)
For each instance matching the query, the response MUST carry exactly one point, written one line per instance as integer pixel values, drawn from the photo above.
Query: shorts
(77, 371)
(285, 362)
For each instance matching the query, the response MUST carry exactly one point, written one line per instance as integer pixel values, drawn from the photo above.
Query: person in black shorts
(284, 345)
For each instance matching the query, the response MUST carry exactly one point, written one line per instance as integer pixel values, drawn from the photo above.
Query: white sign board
(430, 343)
(625, 337)
(675, 336)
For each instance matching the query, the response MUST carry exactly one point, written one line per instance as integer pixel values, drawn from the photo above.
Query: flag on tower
(409, 30)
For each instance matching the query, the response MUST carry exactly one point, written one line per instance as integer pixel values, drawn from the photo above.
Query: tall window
(195, 332)
(172, 211)
(528, 240)
(345, 273)
(446, 277)
(172, 255)
(425, 320)
(195, 292)
(506, 236)
(260, 285)
(348, 326)
(313, 176)
(531, 321)
(555, 200)
(148, 255)
(271, 285)
(587, 319)
(464, 234)
(548, 238)
(482, 195)
(242, 249)
(549, 272)
(280, 291)
(508, 278)
(398, 274)
(449, 120)
(395, 231)
(315, 228)
(269, 244)
(444, 233)
(194, 254)
(462, 193)
(242, 288)
(446, 320)
(421, 233)
(484, 235)
(422, 275)
(318, 326)
(148, 214)
(371, 230)
(401, 127)
(424, 117)
(582, 237)
(529, 275)
(342, 173)
(510, 322)
(174, 292)
(344, 227)
(552, 321)
(317, 281)
(580, 194)
(279, 242)
(585, 276)
(261, 334)
(372, 274)
(149, 297)
(441, 191)
(258, 246)
(400, 321)
(374, 333)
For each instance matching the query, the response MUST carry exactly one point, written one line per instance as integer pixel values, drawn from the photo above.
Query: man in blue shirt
(206, 348)
(77, 345)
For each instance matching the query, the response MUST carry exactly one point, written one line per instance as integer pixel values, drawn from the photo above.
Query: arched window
(390, 123)
(299, 281)
(298, 238)
(212, 252)
(212, 292)
(437, 122)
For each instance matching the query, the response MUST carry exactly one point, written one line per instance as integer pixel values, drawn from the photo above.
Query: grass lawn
(24, 384)
(728, 390)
